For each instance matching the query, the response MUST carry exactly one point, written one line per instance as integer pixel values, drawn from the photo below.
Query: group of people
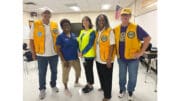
(100, 45)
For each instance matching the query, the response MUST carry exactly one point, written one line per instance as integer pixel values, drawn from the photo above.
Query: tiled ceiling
(59, 6)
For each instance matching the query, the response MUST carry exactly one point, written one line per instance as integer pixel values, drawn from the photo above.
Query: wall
(149, 22)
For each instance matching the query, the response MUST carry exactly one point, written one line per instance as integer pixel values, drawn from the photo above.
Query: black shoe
(86, 87)
(130, 93)
(89, 89)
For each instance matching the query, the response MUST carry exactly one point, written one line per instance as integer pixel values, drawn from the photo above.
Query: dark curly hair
(64, 21)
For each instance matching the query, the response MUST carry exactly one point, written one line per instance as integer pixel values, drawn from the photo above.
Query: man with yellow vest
(42, 42)
(87, 52)
(104, 43)
(128, 37)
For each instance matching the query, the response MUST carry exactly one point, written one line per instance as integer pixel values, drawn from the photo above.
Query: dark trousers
(88, 67)
(42, 68)
(105, 77)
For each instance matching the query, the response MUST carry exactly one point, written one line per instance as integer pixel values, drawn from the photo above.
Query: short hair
(106, 22)
(46, 12)
(64, 21)
(90, 22)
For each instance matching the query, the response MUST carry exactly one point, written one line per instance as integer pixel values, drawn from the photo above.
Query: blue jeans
(42, 67)
(132, 68)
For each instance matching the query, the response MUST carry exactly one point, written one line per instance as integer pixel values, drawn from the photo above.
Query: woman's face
(66, 27)
(101, 21)
(85, 22)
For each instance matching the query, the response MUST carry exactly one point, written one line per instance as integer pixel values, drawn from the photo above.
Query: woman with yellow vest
(104, 44)
(128, 37)
(87, 52)
(42, 42)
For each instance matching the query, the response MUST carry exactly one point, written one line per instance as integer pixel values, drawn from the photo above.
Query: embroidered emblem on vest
(104, 38)
(131, 34)
(39, 34)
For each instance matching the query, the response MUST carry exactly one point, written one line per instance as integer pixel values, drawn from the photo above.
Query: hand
(65, 63)
(108, 63)
(34, 55)
(80, 54)
(138, 55)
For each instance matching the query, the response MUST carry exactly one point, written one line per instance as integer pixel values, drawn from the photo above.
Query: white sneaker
(42, 94)
(67, 93)
(130, 98)
(55, 89)
(78, 85)
(122, 94)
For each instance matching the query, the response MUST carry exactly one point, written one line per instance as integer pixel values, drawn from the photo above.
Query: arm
(112, 45)
(32, 49)
(59, 52)
(143, 36)
(31, 44)
(144, 47)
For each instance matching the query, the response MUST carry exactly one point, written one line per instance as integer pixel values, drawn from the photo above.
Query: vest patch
(39, 34)
(104, 38)
(131, 34)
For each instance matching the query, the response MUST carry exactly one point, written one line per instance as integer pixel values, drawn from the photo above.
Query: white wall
(149, 22)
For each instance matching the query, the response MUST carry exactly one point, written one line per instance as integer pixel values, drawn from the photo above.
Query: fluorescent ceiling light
(75, 8)
(105, 6)
(151, 5)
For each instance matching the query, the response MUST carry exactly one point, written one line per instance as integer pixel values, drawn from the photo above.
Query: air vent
(29, 3)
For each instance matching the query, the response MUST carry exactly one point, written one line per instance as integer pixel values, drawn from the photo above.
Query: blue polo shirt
(69, 46)
(141, 33)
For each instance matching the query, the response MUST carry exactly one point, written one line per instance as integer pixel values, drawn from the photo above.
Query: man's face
(125, 18)
(46, 16)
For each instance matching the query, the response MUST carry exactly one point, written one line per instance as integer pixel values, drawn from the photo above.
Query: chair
(28, 62)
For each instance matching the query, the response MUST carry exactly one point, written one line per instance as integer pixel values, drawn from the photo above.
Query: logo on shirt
(104, 38)
(131, 34)
(122, 37)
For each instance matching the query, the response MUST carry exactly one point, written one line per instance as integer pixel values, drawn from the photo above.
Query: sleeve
(31, 35)
(141, 33)
(90, 44)
(112, 38)
(78, 38)
(59, 40)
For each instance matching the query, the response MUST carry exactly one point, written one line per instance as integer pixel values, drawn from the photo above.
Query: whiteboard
(148, 22)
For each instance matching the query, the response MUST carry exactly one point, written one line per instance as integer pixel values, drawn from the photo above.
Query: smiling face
(66, 27)
(101, 22)
(86, 23)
